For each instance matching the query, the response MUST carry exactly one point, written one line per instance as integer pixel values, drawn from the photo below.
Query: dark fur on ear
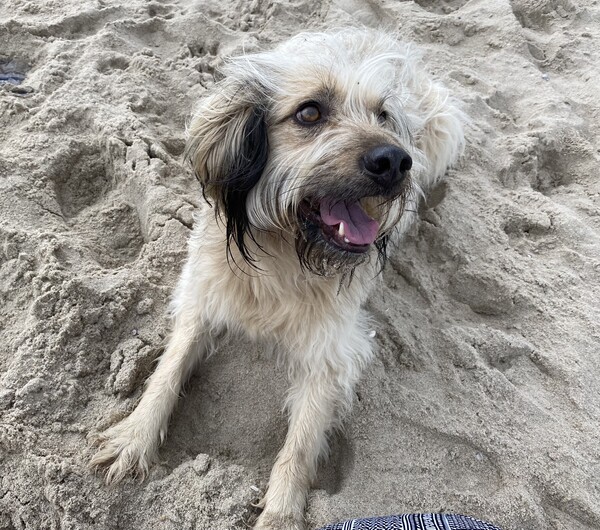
(228, 148)
(245, 171)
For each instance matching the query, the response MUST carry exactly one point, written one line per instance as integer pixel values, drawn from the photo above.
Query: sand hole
(112, 234)
(174, 146)
(559, 158)
(553, 170)
(441, 7)
(157, 9)
(541, 16)
(110, 64)
(80, 179)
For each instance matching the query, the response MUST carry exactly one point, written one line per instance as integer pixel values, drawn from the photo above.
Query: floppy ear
(441, 137)
(228, 149)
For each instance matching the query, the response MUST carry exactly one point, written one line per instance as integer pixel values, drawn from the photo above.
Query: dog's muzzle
(338, 217)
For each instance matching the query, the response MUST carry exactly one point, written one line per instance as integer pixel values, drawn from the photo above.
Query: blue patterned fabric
(414, 521)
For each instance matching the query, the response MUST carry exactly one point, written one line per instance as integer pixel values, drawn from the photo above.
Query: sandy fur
(316, 320)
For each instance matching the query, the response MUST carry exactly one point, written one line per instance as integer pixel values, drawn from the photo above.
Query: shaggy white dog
(312, 155)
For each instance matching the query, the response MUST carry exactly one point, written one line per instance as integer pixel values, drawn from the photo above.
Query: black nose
(387, 164)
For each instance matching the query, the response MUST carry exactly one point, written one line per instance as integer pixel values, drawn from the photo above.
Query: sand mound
(485, 396)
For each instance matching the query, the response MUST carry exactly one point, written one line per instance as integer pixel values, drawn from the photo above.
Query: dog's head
(325, 141)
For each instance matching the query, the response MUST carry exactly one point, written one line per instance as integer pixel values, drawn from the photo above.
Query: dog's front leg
(312, 402)
(131, 445)
(317, 393)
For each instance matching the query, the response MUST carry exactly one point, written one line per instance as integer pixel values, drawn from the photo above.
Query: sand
(484, 397)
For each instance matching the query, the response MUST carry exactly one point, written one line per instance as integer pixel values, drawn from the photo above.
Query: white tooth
(341, 230)
(346, 240)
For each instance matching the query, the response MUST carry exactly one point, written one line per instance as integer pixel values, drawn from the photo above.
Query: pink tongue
(359, 228)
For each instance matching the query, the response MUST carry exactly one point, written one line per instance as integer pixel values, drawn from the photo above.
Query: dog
(312, 156)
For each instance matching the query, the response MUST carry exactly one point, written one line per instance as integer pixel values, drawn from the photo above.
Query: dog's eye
(382, 118)
(309, 114)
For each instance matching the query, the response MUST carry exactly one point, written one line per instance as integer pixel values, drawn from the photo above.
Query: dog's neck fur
(274, 294)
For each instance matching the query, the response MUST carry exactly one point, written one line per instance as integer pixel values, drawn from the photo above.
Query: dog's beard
(316, 256)
(321, 251)
(319, 257)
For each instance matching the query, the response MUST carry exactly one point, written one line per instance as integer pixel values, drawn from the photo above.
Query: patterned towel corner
(414, 521)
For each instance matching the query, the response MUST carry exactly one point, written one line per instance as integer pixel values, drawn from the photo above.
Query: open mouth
(343, 224)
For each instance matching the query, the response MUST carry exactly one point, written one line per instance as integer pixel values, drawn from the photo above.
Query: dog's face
(339, 159)
(318, 141)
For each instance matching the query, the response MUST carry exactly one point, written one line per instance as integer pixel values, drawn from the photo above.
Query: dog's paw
(271, 521)
(123, 449)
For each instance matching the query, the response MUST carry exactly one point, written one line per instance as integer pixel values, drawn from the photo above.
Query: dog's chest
(279, 301)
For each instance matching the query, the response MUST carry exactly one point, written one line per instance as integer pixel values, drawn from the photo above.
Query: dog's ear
(441, 137)
(228, 149)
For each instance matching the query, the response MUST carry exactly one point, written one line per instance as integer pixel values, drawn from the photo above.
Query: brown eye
(309, 114)
(382, 118)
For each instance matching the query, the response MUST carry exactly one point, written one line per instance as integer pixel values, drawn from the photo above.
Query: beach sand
(484, 396)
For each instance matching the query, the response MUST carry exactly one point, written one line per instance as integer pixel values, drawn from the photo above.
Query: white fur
(316, 320)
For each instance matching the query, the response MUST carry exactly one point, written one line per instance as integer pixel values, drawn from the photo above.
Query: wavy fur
(259, 168)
